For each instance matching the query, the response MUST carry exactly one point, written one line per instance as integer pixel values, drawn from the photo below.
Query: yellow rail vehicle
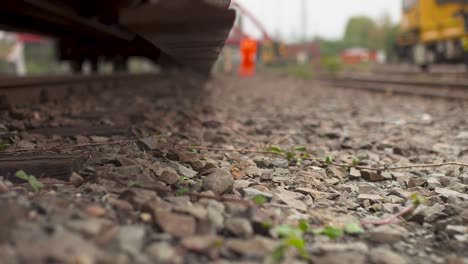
(434, 31)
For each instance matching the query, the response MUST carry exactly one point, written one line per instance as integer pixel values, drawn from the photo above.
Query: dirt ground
(261, 170)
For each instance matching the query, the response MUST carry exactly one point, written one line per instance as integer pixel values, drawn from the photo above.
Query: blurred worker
(248, 50)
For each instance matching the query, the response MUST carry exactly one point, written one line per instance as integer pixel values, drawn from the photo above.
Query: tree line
(365, 32)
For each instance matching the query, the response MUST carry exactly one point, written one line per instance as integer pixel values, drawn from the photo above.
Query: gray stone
(197, 211)
(317, 194)
(201, 243)
(61, 246)
(416, 181)
(464, 179)
(461, 238)
(453, 230)
(88, 227)
(373, 198)
(291, 199)
(177, 225)
(462, 135)
(216, 217)
(149, 143)
(219, 182)
(280, 163)
(394, 199)
(387, 234)
(371, 176)
(354, 174)
(250, 193)
(239, 227)
(447, 193)
(341, 257)
(241, 184)
(169, 177)
(184, 171)
(23, 144)
(255, 247)
(445, 181)
(458, 187)
(131, 239)
(387, 176)
(433, 183)
(340, 247)
(368, 188)
(400, 177)
(163, 252)
(385, 256)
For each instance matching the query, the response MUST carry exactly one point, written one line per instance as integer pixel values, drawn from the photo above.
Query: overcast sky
(326, 18)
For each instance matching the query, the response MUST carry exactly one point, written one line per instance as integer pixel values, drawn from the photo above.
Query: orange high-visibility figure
(248, 49)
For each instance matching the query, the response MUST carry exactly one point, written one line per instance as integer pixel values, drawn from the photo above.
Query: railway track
(40, 89)
(55, 98)
(454, 90)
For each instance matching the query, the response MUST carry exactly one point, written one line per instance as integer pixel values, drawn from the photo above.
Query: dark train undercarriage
(171, 33)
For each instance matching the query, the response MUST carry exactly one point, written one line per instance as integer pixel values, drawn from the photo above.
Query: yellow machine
(434, 31)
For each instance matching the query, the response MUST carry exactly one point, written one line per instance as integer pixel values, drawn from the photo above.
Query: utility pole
(304, 20)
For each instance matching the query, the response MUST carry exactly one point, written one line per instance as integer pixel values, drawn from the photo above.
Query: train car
(434, 31)
(187, 33)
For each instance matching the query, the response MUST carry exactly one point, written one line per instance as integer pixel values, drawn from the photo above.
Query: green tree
(358, 31)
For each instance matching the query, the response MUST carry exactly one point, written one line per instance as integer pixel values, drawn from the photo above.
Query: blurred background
(298, 36)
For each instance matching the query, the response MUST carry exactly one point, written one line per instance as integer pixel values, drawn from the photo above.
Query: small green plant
(182, 191)
(290, 155)
(417, 199)
(292, 237)
(332, 64)
(33, 182)
(355, 161)
(132, 184)
(276, 149)
(329, 160)
(353, 229)
(183, 178)
(300, 148)
(259, 199)
(330, 231)
(4, 145)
